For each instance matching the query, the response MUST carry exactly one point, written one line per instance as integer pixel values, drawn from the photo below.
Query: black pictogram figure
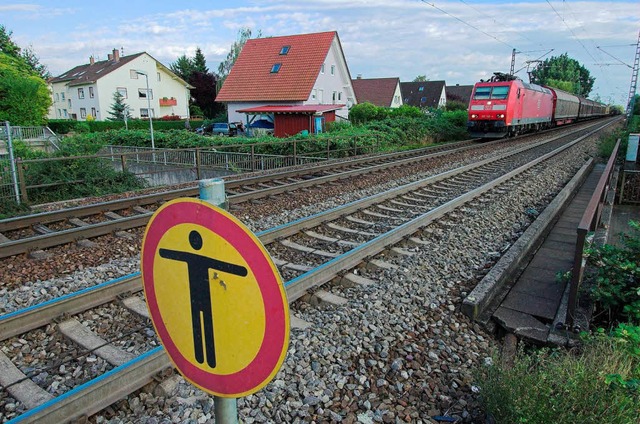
(200, 293)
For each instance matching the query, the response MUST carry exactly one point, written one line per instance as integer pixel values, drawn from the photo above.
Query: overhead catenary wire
(498, 24)
(571, 30)
(468, 24)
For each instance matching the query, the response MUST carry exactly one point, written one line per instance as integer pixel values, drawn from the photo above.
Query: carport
(291, 120)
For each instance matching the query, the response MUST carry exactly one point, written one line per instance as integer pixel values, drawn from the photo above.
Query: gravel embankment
(398, 351)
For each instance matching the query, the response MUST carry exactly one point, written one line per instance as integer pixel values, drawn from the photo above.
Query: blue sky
(460, 41)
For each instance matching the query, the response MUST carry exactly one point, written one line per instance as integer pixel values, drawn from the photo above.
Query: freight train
(506, 106)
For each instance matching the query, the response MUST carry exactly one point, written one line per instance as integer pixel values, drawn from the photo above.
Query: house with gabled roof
(424, 94)
(384, 92)
(88, 89)
(288, 71)
(459, 93)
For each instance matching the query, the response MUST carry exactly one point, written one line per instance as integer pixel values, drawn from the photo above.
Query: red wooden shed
(290, 120)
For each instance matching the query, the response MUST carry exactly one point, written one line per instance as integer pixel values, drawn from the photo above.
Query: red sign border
(276, 336)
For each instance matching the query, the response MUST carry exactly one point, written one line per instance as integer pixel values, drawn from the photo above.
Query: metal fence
(177, 166)
(590, 222)
(8, 176)
(205, 158)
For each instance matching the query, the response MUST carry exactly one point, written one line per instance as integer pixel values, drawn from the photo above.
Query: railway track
(309, 253)
(80, 224)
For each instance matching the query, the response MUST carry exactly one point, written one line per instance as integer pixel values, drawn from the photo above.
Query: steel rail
(16, 247)
(14, 323)
(11, 224)
(96, 394)
(326, 272)
(43, 241)
(10, 324)
(86, 210)
(30, 318)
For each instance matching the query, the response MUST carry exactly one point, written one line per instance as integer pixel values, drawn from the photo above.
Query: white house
(89, 89)
(294, 70)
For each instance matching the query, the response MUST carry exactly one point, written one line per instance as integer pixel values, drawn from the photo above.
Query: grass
(557, 386)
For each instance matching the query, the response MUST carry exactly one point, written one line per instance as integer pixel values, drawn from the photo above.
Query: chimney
(359, 76)
(91, 60)
(116, 55)
(109, 57)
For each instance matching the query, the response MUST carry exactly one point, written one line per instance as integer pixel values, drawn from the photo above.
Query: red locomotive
(506, 106)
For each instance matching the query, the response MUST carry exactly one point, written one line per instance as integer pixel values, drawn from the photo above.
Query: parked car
(218, 128)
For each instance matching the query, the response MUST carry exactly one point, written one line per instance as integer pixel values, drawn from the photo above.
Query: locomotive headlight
(474, 116)
(500, 115)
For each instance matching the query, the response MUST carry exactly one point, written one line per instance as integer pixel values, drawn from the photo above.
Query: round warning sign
(215, 297)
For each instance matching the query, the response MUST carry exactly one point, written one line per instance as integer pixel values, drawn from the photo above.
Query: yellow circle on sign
(236, 301)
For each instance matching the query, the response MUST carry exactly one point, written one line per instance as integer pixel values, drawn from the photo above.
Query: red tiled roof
(309, 109)
(378, 91)
(251, 78)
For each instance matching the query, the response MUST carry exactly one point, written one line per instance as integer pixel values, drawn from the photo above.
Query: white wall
(397, 97)
(339, 82)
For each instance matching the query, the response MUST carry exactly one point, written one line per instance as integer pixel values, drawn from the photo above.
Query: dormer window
(275, 68)
(285, 49)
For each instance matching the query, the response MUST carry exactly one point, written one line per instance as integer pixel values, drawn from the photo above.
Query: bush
(617, 277)
(365, 112)
(92, 177)
(456, 105)
(596, 385)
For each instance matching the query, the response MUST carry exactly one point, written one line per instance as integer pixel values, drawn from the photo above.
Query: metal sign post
(14, 174)
(225, 409)
(215, 297)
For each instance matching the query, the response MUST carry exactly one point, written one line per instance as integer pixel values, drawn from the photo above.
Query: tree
(199, 62)
(420, 78)
(204, 93)
(183, 67)
(27, 55)
(119, 109)
(24, 96)
(225, 66)
(564, 73)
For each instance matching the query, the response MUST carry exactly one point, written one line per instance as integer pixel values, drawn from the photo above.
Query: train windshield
(500, 92)
(482, 93)
(486, 93)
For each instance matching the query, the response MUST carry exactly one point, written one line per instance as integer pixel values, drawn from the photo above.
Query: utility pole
(513, 61)
(634, 81)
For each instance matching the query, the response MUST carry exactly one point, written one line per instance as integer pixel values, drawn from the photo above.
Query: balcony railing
(168, 101)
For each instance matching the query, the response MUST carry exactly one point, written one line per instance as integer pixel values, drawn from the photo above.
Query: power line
(609, 54)
(572, 33)
(467, 24)
(498, 24)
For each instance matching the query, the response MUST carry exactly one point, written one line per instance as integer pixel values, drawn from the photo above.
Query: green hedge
(66, 126)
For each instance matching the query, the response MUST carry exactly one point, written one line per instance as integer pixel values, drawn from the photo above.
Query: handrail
(589, 222)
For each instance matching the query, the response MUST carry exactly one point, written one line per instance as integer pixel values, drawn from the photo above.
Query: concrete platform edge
(513, 261)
